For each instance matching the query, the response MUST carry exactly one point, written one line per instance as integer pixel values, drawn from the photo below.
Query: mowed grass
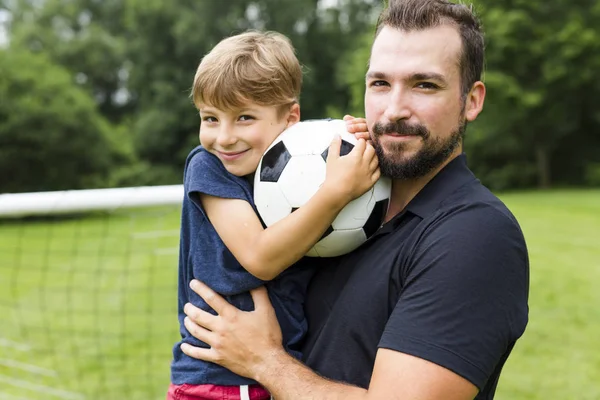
(559, 355)
(88, 305)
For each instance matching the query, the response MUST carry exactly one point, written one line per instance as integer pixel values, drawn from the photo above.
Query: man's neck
(403, 191)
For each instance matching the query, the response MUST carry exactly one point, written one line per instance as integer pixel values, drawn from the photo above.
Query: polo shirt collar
(454, 175)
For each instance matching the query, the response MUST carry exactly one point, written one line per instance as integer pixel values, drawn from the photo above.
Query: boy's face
(240, 137)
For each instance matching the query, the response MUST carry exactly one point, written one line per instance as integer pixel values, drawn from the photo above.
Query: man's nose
(398, 107)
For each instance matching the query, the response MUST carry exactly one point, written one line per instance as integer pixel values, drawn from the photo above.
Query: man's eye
(427, 85)
(379, 83)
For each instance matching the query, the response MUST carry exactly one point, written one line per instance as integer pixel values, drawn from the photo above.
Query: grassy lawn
(559, 355)
(87, 306)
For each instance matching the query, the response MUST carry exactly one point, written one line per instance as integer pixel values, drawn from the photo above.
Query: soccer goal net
(88, 287)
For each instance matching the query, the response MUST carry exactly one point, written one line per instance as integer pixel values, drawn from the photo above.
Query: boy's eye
(246, 117)
(209, 119)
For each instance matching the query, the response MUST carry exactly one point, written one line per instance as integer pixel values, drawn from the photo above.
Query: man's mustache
(400, 128)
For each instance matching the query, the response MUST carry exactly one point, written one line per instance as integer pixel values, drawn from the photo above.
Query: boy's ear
(294, 115)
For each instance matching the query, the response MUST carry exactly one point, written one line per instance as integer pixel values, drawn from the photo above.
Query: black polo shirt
(446, 280)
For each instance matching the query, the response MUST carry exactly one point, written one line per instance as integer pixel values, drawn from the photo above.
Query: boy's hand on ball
(358, 127)
(350, 176)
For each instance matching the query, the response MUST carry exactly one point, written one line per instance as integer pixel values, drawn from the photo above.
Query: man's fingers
(199, 316)
(212, 298)
(198, 331)
(260, 297)
(198, 352)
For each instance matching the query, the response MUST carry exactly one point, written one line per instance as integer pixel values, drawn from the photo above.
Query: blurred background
(95, 94)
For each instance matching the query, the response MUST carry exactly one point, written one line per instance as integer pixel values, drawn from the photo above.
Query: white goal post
(76, 201)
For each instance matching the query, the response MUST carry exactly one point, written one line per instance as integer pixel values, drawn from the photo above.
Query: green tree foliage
(86, 37)
(135, 60)
(351, 70)
(541, 122)
(51, 135)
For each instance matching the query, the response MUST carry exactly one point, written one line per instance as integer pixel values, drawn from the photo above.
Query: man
(431, 306)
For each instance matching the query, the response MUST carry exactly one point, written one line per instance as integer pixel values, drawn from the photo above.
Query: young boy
(247, 90)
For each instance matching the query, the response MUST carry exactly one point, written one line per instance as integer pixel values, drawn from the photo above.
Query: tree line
(95, 93)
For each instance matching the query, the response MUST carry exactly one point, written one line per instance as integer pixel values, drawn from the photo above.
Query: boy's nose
(226, 138)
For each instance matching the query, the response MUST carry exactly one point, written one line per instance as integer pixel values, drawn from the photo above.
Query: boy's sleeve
(464, 300)
(205, 174)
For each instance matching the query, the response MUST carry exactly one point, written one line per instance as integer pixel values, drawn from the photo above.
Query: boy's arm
(265, 253)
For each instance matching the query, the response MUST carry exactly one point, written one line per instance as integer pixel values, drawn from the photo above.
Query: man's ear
(474, 101)
(294, 115)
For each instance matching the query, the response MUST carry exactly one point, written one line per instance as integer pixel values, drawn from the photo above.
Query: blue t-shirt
(204, 256)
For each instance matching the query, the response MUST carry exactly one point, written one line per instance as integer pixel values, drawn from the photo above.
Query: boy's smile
(230, 156)
(240, 137)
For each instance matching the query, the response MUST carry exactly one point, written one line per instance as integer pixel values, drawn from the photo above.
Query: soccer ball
(291, 171)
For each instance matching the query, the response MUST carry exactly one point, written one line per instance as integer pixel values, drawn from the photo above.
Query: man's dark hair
(414, 15)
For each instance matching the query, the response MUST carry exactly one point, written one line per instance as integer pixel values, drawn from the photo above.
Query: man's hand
(239, 341)
(249, 344)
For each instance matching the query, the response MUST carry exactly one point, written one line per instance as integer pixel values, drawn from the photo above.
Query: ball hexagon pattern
(292, 170)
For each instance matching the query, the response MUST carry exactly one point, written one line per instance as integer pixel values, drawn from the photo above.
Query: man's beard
(434, 152)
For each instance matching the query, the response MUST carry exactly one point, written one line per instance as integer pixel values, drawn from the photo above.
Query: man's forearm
(288, 379)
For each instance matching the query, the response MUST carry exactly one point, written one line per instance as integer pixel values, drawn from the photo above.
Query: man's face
(413, 102)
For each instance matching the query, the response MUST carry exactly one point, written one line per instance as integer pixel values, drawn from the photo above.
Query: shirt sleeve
(205, 174)
(463, 302)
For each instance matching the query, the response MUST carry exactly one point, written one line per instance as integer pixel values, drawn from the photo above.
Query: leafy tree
(542, 59)
(51, 135)
(134, 61)
(84, 36)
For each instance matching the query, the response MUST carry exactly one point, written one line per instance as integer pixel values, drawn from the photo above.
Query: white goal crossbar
(74, 201)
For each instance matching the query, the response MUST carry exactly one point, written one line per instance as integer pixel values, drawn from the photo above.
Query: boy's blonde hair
(258, 67)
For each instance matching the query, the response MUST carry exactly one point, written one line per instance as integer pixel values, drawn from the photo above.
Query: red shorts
(215, 392)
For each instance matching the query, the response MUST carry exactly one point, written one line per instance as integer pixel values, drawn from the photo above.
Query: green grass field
(559, 355)
(87, 306)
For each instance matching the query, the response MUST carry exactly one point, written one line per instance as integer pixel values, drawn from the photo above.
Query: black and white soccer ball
(292, 170)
